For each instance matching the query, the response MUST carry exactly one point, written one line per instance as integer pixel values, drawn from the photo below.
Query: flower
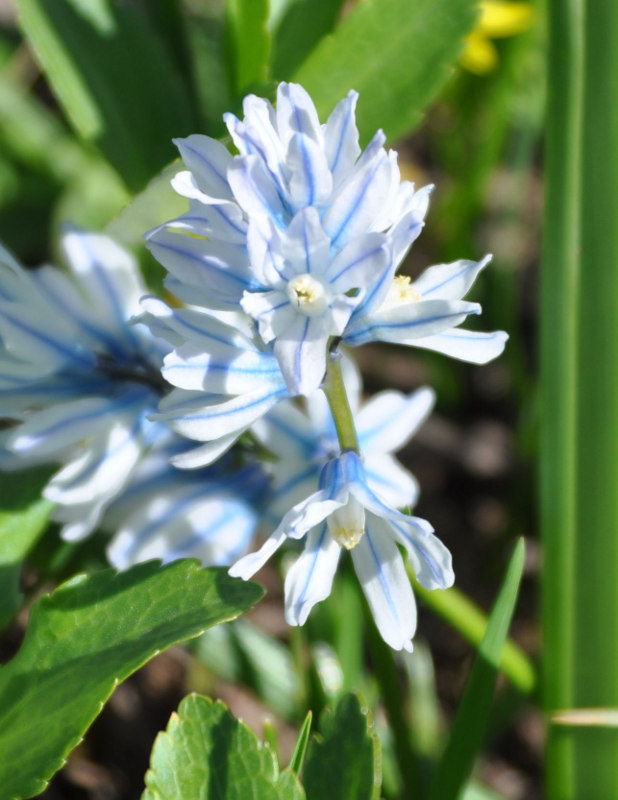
(77, 379)
(293, 229)
(345, 513)
(426, 313)
(305, 232)
(166, 513)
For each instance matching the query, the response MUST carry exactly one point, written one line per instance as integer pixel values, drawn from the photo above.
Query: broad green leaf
(207, 754)
(91, 633)
(473, 712)
(299, 28)
(23, 518)
(397, 54)
(248, 41)
(344, 764)
(114, 79)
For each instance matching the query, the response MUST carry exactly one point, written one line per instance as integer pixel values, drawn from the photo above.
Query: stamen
(308, 294)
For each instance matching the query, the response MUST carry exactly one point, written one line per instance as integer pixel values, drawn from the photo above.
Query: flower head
(345, 513)
(304, 233)
(293, 229)
(77, 379)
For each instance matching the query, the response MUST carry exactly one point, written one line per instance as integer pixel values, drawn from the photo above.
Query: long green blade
(472, 715)
(395, 53)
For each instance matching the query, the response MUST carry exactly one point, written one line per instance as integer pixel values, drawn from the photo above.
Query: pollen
(307, 294)
(346, 537)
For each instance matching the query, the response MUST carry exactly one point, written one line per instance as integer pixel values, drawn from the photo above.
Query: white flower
(75, 377)
(294, 228)
(165, 513)
(426, 313)
(346, 513)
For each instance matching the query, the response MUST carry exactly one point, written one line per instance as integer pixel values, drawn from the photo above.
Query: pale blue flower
(75, 377)
(294, 228)
(425, 313)
(165, 513)
(345, 513)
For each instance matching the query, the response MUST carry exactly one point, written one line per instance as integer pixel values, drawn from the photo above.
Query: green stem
(334, 389)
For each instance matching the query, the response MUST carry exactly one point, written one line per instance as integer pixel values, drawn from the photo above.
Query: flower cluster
(289, 251)
(79, 384)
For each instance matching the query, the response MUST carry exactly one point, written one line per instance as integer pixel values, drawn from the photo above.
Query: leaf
(300, 748)
(472, 715)
(114, 78)
(91, 633)
(248, 41)
(207, 754)
(23, 518)
(299, 28)
(345, 763)
(395, 53)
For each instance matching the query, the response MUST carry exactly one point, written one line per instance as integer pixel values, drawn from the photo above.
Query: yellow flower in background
(498, 19)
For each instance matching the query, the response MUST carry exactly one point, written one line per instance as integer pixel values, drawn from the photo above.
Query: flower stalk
(334, 389)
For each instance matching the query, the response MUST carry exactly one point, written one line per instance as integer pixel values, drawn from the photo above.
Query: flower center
(347, 524)
(399, 292)
(307, 294)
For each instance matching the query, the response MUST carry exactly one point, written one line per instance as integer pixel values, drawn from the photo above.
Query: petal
(310, 578)
(184, 521)
(247, 566)
(390, 419)
(220, 269)
(310, 181)
(449, 281)
(222, 370)
(431, 560)
(358, 200)
(408, 322)
(380, 569)
(286, 432)
(266, 257)
(108, 275)
(205, 454)
(310, 512)
(359, 263)
(214, 420)
(296, 114)
(219, 220)
(341, 137)
(471, 346)
(301, 353)
(208, 161)
(305, 245)
(272, 311)
(390, 481)
(256, 192)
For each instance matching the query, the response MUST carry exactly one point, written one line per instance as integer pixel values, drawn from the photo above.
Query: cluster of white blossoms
(289, 251)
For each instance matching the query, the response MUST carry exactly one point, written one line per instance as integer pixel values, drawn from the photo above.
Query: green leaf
(300, 748)
(23, 518)
(83, 639)
(114, 78)
(206, 753)
(472, 715)
(345, 763)
(299, 28)
(395, 53)
(248, 41)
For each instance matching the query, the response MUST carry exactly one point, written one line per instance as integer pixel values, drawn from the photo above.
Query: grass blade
(472, 715)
